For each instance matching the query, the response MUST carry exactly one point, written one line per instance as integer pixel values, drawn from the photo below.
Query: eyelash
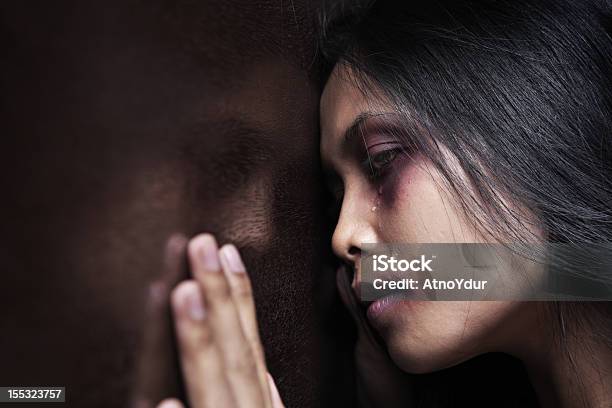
(386, 157)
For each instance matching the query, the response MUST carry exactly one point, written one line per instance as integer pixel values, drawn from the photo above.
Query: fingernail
(233, 259)
(193, 302)
(170, 403)
(210, 258)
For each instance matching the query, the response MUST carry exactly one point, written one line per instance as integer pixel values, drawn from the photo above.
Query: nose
(355, 227)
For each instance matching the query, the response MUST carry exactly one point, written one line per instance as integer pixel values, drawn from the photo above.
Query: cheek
(414, 206)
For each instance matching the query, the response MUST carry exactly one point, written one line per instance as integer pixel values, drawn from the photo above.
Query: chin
(424, 357)
(423, 337)
(419, 346)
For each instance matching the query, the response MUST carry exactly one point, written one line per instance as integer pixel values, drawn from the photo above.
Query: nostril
(353, 250)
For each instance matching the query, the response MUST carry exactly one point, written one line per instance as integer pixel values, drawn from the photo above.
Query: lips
(365, 313)
(378, 307)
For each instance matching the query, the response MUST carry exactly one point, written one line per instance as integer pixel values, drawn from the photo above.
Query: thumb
(276, 399)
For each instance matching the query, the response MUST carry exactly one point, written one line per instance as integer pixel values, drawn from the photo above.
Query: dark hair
(520, 91)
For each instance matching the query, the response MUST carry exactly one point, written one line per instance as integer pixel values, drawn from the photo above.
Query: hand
(221, 356)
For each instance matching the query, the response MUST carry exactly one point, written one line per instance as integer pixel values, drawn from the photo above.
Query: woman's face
(391, 197)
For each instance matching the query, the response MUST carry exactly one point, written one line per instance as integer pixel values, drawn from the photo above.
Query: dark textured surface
(123, 123)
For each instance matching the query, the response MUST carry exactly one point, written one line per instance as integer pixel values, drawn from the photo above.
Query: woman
(447, 121)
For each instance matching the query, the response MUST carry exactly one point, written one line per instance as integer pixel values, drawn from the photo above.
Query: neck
(575, 372)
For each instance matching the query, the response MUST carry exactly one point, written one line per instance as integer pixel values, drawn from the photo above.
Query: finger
(224, 321)
(201, 362)
(276, 398)
(156, 373)
(242, 293)
(170, 403)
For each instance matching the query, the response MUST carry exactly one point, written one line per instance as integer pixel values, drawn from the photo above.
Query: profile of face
(388, 196)
(129, 123)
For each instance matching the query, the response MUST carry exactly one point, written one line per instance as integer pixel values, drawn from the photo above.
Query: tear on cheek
(401, 182)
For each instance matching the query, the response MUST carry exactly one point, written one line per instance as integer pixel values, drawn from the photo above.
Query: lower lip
(379, 307)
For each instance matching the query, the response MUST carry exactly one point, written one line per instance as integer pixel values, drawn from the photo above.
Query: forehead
(342, 102)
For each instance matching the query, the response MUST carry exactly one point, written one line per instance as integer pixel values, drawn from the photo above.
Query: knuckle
(196, 341)
(216, 288)
(242, 288)
(241, 362)
(204, 337)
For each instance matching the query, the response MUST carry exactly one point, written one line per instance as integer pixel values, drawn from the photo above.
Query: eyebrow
(356, 128)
